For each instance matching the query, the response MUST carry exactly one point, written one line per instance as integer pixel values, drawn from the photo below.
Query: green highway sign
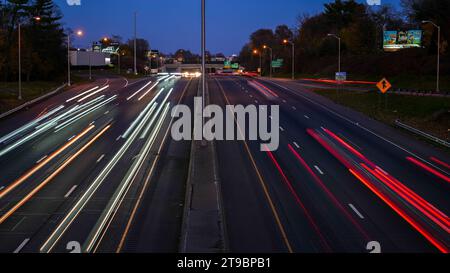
(227, 65)
(277, 63)
(235, 66)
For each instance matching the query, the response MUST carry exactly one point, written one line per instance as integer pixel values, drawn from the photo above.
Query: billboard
(397, 40)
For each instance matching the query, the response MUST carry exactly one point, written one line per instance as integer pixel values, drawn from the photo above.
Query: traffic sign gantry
(384, 85)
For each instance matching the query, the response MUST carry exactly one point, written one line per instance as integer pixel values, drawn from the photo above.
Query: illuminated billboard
(396, 40)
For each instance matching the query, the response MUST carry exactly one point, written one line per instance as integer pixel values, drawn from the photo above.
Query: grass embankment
(429, 114)
(30, 90)
(409, 82)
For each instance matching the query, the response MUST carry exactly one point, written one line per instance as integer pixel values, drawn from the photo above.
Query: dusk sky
(172, 24)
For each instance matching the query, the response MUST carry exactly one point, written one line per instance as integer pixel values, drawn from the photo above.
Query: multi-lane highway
(74, 166)
(95, 169)
(337, 182)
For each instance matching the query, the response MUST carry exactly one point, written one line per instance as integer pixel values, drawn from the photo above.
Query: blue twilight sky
(173, 24)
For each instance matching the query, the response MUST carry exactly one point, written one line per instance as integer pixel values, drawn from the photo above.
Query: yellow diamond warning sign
(384, 85)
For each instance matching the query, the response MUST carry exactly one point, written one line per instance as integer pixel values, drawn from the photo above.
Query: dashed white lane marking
(284, 101)
(282, 129)
(42, 158)
(294, 108)
(100, 158)
(351, 142)
(256, 101)
(107, 112)
(356, 211)
(70, 191)
(71, 138)
(307, 117)
(19, 248)
(318, 169)
(117, 139)
(251, 96)
(358, 125)
(2, 187)
(18, 223)
(296, 145)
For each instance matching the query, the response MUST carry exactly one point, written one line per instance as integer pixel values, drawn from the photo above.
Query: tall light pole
(255, 51)
(90, 63)
(339, 39)
(20, 61)
(79, 33)
(286, 41)
(271, 58)
(135, 41)
(438, 52)
(203, 51)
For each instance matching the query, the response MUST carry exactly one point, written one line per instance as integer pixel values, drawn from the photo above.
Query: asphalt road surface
(95, 169)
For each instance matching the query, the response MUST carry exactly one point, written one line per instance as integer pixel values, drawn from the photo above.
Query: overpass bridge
(180, 68)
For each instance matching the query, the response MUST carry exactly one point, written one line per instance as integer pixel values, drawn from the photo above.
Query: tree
(142, 47)
(435, 10)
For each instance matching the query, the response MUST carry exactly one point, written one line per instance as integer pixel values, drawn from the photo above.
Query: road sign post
(384, 85)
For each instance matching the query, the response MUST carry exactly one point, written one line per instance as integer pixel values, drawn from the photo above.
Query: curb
(12, 111)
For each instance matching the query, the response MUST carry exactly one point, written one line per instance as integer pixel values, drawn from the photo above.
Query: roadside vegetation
(361, 30)
(427, 113)
(30, 90)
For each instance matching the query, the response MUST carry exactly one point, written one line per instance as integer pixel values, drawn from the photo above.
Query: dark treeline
(361, 29)
(42, 45)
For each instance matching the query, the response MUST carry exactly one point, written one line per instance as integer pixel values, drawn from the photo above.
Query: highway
(71, 163)
(333, 185)
(94, 169)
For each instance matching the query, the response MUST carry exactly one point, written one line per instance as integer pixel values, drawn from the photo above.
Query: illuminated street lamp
(438, 51)
(256, 52)
(286, 41)
(339, 39)
(271, 58)
(79, 33)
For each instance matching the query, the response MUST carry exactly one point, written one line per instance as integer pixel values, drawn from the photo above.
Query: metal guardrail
(12, 111)
(421, 133)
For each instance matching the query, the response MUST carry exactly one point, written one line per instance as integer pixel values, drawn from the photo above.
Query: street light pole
(118, 61)
(20, 62)
(438, 53)
(339, 39)
(68, 59)
(293, 56)
(271, 59)
(90, 64)
(135, 46)
(203, 52)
